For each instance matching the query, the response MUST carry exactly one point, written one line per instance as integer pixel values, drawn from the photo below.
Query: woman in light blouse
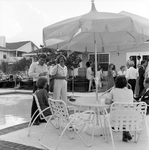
(59, 74)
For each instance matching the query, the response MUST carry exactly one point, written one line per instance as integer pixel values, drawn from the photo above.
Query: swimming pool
(14, 109)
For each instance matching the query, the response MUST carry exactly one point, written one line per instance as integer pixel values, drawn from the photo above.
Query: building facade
(11, 52)
(118, 57)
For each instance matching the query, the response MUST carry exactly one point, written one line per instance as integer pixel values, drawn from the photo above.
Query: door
(143, 55)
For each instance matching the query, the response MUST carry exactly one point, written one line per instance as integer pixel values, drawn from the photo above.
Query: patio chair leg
(43, 131)
(32, 122)
(32, 118)
(79, 109)
(111, 135)
(135, 136)
(105, 131)
(42, 135)
(147, 128)
(78, 132)
(101, 124)
(29, 130)
(86, 144)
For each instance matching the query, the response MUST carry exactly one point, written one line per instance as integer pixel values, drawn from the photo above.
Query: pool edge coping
(16, 92)
(11, 145)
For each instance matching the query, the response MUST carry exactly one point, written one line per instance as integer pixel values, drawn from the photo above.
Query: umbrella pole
(72, 95)
(73, 83)
(95, 47)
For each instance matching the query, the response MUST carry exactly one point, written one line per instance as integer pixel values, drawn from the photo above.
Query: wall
(26, 48)
(2, 41)
(1, 55)
(85, 59)
(122, 58)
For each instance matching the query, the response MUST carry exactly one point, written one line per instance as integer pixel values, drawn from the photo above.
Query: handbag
(51, 86)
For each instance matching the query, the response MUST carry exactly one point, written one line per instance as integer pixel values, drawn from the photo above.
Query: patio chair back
(127, 117)
(73, 124)
(38, 113)
(41, 112)
(37, 102)
(59, 110)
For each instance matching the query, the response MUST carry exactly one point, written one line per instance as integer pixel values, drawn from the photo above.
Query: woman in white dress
(59, 74)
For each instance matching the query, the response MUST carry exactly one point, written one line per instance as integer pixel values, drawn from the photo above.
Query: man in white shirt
(131, 75)
(36, 70)
(138, 60)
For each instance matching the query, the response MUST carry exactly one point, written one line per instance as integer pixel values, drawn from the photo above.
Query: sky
(24, 20)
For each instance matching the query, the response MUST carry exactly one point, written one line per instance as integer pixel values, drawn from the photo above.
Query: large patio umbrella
(97, 32)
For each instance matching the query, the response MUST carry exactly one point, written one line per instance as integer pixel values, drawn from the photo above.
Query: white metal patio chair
(40, 114)
(74, 123)
(126, 117)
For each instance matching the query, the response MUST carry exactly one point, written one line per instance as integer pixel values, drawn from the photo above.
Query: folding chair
(126, 117)
(40, 114)
(74, 123)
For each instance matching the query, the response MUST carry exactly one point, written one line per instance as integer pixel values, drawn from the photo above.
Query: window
(145, 57)
(102, 59)
(4, 56)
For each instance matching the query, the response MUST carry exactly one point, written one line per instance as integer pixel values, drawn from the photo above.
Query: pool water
(14, 109)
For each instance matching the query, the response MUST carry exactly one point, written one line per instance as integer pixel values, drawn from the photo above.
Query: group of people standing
(134, 76)
(41, 77)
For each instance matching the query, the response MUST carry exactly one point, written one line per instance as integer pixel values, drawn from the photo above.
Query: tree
(4, 67)
(73, 61)
(22, 64)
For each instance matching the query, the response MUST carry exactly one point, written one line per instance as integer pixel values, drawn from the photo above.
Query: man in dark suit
(145, 96)
(142, 75)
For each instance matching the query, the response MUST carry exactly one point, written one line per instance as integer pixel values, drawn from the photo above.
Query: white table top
(88, 101)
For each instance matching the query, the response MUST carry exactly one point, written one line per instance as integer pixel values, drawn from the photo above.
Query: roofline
(4, 50)
(24, 44)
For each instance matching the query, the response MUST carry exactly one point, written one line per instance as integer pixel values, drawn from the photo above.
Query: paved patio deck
(8, 145)
(18, 139)
(15, 138)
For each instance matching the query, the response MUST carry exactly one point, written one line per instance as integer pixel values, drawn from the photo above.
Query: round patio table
(97, 106)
